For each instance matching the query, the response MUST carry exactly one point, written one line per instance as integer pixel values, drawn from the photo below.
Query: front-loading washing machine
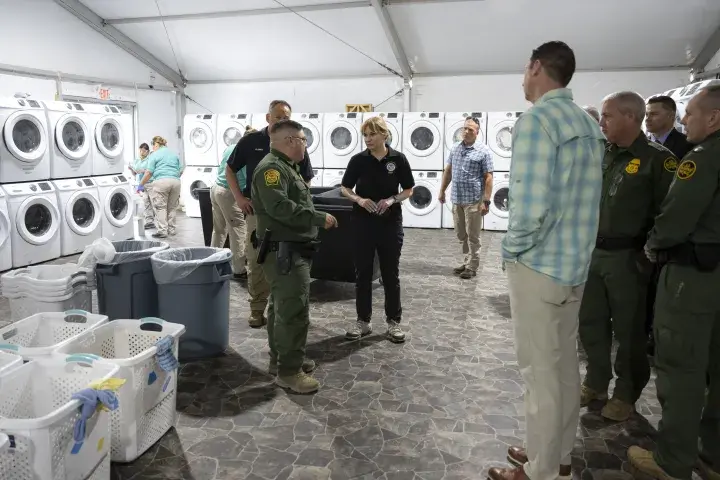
(70, 139)
(497, 217)
(192, 179)
(5, 234)
(423, 209)
(342, 138)
(259, 121)
(332, 177)
(454, 124)
(110, 153)
(312, 124)
(117, 202)
(34, 222)
(230, 129)
(80, 214)
(199, 134)
(317, 180)
(500, 127)
(448, 220)
(394, 122)
(423, 140)
(25, 146)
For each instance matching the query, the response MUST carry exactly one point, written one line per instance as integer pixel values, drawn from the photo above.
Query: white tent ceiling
(246, 40)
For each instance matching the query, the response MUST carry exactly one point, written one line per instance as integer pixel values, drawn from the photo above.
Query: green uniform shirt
(139, 166)
(282, 201)
(635, 182)
(691, 210)
(163, 163)
(240, 175)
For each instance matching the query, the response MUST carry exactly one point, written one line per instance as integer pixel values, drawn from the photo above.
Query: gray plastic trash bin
(194, 290)
(126, 287)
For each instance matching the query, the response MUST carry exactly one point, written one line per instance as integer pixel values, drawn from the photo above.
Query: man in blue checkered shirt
(470, 167)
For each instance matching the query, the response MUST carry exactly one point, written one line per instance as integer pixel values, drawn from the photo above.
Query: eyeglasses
(300, 139)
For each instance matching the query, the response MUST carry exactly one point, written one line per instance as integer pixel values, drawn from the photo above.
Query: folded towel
(164, 355)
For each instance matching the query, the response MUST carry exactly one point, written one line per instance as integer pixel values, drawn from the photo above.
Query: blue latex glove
(140, 188)
(164, 355)
(89, 399)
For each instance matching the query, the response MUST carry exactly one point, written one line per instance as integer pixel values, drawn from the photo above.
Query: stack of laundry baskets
(48, 288)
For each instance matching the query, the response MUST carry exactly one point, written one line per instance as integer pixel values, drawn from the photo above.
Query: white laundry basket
(40, 334)
(148, 398)
(38, 416)
(9, 362)
(26, 304)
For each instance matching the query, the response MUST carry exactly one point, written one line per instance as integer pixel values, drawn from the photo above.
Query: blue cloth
(89, 399)
(469, 166)
(555, 184)
(164, 355)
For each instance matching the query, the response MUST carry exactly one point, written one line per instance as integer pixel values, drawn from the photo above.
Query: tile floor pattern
(443, 406)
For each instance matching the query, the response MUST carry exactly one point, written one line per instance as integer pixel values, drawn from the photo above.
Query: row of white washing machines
(54, 140)
(426, 138)
(44, 220)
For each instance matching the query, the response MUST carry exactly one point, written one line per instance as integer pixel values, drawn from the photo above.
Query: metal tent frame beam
(268, 11)
(99, 24)
(393, 38)
(712, 46)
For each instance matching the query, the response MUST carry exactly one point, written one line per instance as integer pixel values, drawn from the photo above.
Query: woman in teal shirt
(138, 169)
(162, 180)
(228, 219)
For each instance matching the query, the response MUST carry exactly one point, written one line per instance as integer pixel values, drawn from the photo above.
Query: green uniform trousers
(614, 302)
(687, 346)
(288, 317)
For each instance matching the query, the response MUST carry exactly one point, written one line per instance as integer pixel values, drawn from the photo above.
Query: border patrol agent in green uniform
(685, 242)
(636, 176)
(287, 225)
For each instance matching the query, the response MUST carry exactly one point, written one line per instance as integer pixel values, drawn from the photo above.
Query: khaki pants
(165, 196)
(545, 316)
(228, 219)
(149, 212)
(258, 286)
(468, 223)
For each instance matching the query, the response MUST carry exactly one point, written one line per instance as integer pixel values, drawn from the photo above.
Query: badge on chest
(390, 167)
(633, 166)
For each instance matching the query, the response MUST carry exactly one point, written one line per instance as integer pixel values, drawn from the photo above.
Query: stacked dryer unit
(394, 121)
(230, 129)
(71, 140)
(80, 213)
(500, 127)
(202, 156)
(422, 143)
(312, 124)
(25, 149)
(454, 123)
(107, 125)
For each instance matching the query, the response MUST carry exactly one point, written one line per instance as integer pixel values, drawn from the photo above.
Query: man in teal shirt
(228, 218)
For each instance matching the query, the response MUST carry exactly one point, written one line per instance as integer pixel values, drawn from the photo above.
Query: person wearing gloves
(162, 172)
(228, 218)
(138, 169)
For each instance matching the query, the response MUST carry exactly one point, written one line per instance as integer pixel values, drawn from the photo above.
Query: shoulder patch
(670, 164)
(272, 177)
(686, 170)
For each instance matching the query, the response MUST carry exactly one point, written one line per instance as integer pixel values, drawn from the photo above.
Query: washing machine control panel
(45, 187)
(33, 188)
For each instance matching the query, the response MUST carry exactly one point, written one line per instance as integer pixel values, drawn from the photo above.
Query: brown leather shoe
(516, 473)
(518, 456)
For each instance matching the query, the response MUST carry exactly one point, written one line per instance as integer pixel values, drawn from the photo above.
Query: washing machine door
(342, 137)
(232, 134)
(500, 139)
(118, 206)
(4, 229)
(82, 213)
(424, 138)
(424, 198)
(499, 199)
(394, 140)
(109, 137)
(312, 134)
(194, 185)
(71, 137)
(200, 137)
(25, 137)
(37, 220)
(454, 133)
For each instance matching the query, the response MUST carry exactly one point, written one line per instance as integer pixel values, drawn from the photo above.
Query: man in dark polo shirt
(248, 152)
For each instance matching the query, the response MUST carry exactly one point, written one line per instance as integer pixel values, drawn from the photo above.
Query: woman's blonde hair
(375, 125)
(159, 140)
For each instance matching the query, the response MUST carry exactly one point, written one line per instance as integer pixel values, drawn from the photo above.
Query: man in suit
(660, 122)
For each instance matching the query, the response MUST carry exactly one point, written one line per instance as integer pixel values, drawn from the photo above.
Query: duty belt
(619, 243)
(703, 256)
(304, 249)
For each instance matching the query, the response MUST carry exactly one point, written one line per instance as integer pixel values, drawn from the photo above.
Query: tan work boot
(617, 410)
(588, 395)
(308, 366)
(298, 383)
(257, 320)
(643, 463)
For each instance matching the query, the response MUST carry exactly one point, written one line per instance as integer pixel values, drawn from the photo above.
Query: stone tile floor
(443, 406)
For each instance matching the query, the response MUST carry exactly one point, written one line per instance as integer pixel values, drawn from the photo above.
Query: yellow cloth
(112, 384)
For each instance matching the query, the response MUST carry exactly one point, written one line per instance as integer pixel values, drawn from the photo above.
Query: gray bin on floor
(194, 290)
(126, 287)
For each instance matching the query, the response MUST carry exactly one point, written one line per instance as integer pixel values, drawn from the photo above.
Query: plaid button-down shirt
(469, 166)
(555, 185)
